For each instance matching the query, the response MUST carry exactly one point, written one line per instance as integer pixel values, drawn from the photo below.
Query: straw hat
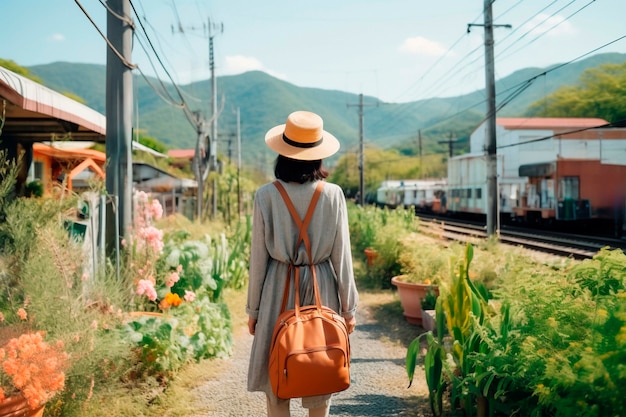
(303, 137)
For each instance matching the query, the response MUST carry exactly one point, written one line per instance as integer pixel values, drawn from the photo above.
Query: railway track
(561, 244)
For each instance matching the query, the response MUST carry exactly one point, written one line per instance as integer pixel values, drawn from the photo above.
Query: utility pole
(239, 207)
(199, 161)
(450, 142)
(229, 138)
(490, 140)
(361, 152)
(213, 119)
(119, 111)
(214, 115)
(419, 149)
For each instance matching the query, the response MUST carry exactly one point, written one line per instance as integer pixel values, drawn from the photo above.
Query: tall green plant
(462, 306)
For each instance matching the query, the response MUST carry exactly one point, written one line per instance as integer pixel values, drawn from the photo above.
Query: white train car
(424, 195)
(467, 186)
(390, 194)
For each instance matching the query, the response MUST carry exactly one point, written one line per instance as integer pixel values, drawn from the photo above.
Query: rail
(578, 247)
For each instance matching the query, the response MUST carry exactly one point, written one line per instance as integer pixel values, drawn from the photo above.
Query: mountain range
(265, 101)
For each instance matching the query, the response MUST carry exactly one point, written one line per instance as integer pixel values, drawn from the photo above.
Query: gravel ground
(379, 381)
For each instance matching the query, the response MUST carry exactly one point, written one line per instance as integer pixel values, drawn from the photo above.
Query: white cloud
(550, 25)
(237, 64)
(421, 45)
(57, 37)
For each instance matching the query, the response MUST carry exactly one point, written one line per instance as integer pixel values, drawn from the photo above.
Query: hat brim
(274, 140)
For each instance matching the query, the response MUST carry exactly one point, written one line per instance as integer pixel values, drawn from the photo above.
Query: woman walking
(301, 144)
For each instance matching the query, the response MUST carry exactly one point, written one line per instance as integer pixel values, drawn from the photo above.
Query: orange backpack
(310, 348)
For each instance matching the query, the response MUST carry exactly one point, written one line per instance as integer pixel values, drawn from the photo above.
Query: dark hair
(294, 170)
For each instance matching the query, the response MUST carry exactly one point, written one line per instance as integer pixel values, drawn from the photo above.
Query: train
(550, 171)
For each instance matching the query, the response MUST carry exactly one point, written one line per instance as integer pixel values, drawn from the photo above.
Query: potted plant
(424, 263)
(32, 372)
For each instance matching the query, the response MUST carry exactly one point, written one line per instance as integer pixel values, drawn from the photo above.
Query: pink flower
(156, 209)
(172, 279)
(152, 237)
(22, 314)
(189, 296)
(146, 287)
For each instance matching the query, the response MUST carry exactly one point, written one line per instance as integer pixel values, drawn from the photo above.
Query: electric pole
(239, 207)
(199, 161)
(450, 142)
(419, 149)
(119, 111)
(361, 152)
(490, 140)
(213, 118)
(214, 115)
(228, 138)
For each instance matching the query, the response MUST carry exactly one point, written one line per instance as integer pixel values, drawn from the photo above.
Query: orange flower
(171, 299)
(22, 314)
(34, 367)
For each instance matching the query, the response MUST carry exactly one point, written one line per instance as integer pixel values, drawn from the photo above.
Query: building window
(569, 188)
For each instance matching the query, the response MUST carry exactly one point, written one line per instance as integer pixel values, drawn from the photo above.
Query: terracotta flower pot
(371, 254)
(17, 406)
(411, 295)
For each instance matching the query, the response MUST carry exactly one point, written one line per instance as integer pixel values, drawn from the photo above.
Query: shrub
(381, 230)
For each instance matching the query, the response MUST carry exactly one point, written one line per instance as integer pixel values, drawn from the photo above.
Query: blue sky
(396, 50)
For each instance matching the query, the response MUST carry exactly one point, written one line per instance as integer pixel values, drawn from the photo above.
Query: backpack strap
(303, 237)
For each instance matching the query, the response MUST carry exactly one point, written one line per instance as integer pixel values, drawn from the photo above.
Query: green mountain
(265, 101)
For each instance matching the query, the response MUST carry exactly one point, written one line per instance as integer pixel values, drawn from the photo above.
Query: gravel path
(379, 381)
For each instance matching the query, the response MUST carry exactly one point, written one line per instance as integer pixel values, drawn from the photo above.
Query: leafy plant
(424, 260)
(430, 300)
(605, 274)
(463, 307)
(380, 230)
(164, 343)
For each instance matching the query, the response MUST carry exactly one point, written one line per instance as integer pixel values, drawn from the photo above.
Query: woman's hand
(251, 325)
(351, 324)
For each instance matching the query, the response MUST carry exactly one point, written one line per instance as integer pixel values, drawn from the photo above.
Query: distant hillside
(265, 101)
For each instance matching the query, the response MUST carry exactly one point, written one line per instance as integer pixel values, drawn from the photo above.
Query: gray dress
(273, 240)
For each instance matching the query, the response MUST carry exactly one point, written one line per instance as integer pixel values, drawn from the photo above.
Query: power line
(432, 67)
(569, 132)
(110, 45)
(183, 103)
(462, 62)
(549, 30)
(520, 87)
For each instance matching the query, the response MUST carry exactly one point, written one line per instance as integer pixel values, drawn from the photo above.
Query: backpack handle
(303, 237)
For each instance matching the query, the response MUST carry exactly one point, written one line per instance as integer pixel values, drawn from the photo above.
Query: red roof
(181, 153)
(59, 153)
(549, 123)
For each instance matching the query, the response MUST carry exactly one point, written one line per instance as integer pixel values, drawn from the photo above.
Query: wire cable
(191, 117)
(124, 19)
(547, 31)
(115, 51)
(569, 132)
